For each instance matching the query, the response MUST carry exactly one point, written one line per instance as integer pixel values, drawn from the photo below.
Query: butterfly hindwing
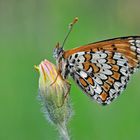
(102, 75)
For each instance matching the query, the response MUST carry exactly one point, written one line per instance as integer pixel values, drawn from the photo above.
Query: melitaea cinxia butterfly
(102, 69)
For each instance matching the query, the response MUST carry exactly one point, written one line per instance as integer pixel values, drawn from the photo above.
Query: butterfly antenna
(69, 31)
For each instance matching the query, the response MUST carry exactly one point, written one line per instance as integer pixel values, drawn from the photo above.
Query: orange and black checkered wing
(103, 69)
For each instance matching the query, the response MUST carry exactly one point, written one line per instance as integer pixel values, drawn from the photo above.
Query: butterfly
(102, 69)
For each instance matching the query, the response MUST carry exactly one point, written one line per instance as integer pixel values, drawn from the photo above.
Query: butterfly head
(58, 52)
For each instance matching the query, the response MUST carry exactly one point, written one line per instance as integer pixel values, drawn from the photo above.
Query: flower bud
(53, 90)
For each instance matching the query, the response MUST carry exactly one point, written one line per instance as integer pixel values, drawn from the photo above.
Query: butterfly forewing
(103, 69)
(127, 46)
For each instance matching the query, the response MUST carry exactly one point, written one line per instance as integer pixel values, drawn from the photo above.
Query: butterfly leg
(58, 73)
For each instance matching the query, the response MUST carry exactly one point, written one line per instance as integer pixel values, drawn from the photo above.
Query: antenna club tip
(74, 21)
(70, 29)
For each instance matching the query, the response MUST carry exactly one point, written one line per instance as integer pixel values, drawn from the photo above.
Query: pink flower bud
(52, 90)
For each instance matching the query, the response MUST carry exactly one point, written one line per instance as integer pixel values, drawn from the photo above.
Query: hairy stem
(63, 132)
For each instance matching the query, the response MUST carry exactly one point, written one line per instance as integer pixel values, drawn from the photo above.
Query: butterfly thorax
(63, 68)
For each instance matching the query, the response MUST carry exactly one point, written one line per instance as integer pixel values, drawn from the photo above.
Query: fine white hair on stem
(63, 131)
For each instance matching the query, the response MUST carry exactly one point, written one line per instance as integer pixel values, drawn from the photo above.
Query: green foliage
(29, 31)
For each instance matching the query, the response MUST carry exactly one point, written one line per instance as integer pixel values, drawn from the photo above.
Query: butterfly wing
(101, 75)
(103, 69)
(127, 46)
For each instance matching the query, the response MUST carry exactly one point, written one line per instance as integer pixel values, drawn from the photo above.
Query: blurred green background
(29, 30)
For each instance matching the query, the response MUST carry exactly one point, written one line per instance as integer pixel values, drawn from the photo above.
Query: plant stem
(63, 132)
